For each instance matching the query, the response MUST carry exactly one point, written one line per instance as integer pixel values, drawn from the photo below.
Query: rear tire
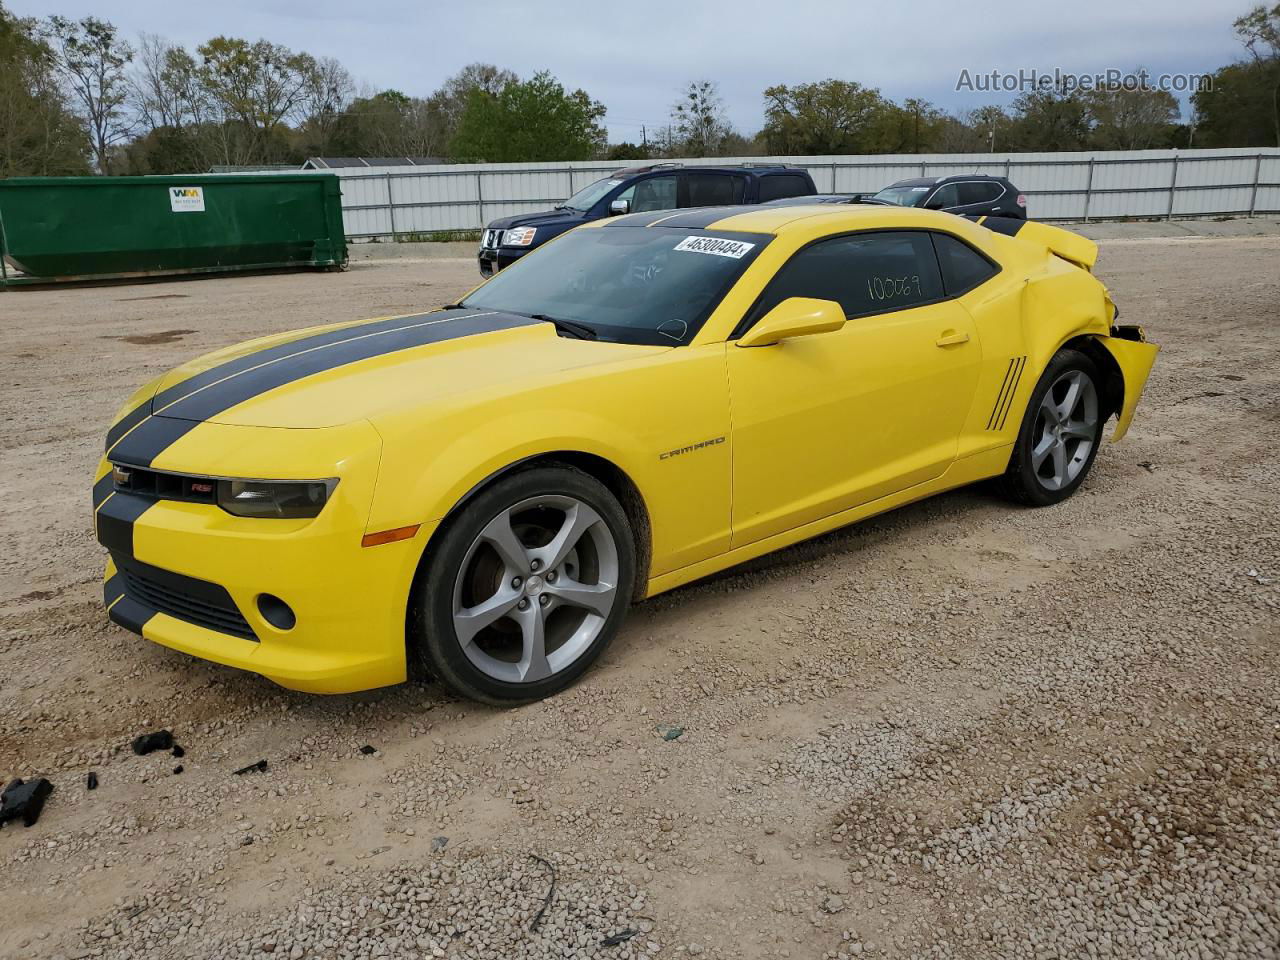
(528, 584)
(1060, 433)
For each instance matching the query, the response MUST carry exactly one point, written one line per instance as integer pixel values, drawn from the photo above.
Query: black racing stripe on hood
(251, 360)
(154, 435)
(128, 422)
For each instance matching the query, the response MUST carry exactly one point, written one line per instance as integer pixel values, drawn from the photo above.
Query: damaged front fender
(1135, 358)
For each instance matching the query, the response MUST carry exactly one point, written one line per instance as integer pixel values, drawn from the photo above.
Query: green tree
(1050, 120)
(255, 90)
(825, 117)
(91, 58)
(698, 122)
(1259, 31)
(1133, 119)
(39, 134)
(1237, 111)
(529, 120)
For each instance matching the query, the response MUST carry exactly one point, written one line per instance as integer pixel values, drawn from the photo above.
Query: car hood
(335, 375)
(564, 219)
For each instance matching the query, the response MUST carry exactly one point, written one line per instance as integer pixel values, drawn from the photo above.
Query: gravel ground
(959, 730)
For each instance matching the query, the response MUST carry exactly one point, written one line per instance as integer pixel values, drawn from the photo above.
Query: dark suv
(967, 195)
(662, 186)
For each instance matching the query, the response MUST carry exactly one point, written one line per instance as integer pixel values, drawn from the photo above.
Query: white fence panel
(394, 201)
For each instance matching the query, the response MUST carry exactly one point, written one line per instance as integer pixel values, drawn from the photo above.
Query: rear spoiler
(1071, 247)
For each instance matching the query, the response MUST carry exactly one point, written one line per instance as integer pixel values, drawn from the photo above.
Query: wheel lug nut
(551, 577)
(523, 604)
(544, 599)
(536, 565)
(516, 583)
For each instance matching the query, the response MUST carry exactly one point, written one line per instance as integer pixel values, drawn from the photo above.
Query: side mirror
(794, 317)
(620, 206)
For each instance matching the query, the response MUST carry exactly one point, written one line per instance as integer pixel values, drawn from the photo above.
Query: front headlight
(286, 499)
(519, 237)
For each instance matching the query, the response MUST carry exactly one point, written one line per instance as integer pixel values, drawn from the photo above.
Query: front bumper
(189, 575)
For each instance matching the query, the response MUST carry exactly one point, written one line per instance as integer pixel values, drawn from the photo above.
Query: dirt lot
(960, 730)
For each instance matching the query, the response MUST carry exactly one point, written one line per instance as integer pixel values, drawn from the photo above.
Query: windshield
(903, 196)
(590, 195)
(652, 285)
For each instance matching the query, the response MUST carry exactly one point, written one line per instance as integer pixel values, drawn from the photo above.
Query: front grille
(492, 239)
(164, 486)
(184, 598)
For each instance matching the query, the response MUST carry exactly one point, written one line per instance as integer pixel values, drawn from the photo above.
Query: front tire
(528, 585)
(1060, 434)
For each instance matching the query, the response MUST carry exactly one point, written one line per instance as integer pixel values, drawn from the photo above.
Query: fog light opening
(276, 612)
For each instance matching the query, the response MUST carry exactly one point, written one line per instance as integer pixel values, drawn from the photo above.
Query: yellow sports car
(480, 492)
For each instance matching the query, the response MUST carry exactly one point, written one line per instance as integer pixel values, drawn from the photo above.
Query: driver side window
(656, 193)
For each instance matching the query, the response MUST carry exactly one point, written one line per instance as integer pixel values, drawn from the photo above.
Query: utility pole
(644, 139)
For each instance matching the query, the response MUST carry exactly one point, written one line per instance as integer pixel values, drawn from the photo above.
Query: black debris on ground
(368, 750)
(622, 936)
(178, 768)
(151, 742)
(258, 767)
(91, 781)
(178, 752)
(551, 892)
(438, 844)
(24, 800)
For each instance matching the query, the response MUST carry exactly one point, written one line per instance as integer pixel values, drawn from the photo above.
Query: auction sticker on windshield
(736, 249)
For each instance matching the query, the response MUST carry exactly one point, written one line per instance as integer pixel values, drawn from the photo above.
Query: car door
(827, 422)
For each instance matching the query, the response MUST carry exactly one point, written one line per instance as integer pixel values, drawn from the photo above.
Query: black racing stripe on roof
(639, 219)
(703, 218)
(154, 435)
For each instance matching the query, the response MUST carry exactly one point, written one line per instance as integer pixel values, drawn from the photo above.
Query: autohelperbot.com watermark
(1035, 80)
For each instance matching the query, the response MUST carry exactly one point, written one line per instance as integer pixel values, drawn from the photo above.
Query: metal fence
(392, 202)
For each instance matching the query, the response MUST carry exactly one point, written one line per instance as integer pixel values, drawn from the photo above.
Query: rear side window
(947, 195)
(963, 268)
(714, 189)
(779, 185)
(977, 191)
(865, 273)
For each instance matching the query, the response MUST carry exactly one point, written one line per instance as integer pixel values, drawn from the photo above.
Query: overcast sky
(634, 57)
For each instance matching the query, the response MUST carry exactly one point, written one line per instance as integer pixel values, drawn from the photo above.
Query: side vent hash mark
(1000, 412)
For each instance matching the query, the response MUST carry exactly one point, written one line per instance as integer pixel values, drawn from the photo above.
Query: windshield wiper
(579, 330)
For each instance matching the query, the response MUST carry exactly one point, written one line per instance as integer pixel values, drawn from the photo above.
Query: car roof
(749, 168)
(934, 181)
(768, 219)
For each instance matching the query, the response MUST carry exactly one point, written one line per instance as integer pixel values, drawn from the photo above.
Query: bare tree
(91, 59)
(327, 91)
(699, 119)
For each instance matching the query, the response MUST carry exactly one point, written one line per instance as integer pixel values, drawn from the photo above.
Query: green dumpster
(95, 228)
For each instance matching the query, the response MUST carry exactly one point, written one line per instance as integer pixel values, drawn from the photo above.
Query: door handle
(950, 339)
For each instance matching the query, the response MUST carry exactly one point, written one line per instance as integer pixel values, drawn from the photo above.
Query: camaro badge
(689, 449)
